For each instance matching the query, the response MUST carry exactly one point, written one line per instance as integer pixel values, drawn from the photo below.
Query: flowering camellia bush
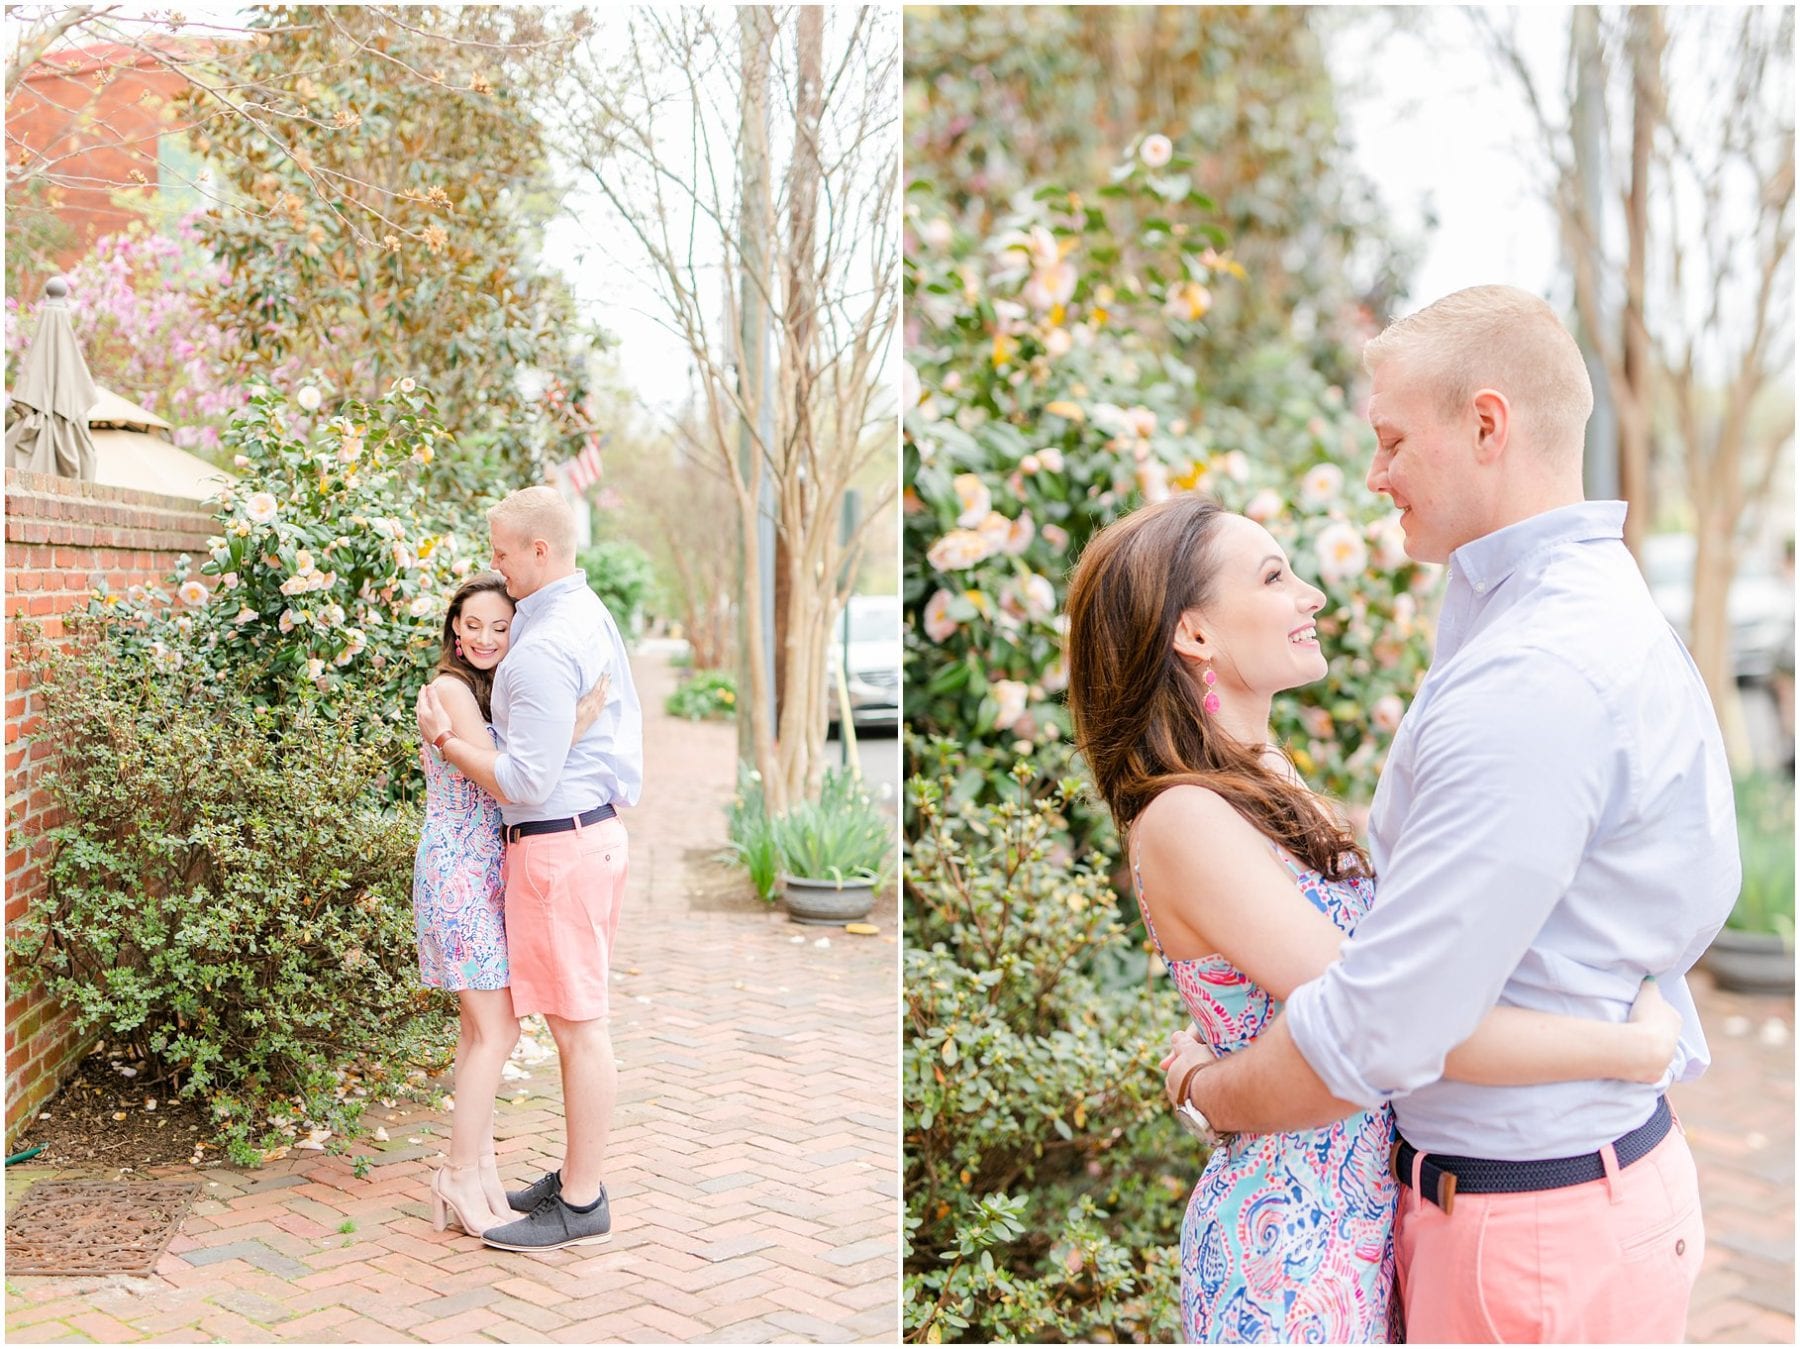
(337, 551)
(1050, 391)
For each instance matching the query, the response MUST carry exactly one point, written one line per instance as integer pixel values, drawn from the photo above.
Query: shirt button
(1481, 587)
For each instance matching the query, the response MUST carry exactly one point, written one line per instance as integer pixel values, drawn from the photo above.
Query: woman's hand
(1659, 1025)
(592, 703)
(434, 719)
(1186, 1051)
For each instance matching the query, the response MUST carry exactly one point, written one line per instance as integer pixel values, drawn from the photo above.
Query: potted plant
(1754, 953)
(835, 853)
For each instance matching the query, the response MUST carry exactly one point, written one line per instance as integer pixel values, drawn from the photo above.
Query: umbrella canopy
(53, 395)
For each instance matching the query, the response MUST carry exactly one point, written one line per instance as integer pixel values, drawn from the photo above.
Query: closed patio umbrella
(52, 397)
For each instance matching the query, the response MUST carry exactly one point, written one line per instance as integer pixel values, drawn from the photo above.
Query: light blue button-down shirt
(563, 640)
(1554, 822)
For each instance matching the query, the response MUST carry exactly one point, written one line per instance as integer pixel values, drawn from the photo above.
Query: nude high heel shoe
(443, 1207)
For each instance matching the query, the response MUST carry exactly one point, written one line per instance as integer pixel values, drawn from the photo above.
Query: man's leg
(590, 1086)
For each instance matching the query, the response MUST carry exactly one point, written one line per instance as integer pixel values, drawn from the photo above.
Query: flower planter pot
(826, 902)
(1751, 962)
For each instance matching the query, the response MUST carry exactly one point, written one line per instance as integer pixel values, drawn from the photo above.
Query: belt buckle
(1446, 1195)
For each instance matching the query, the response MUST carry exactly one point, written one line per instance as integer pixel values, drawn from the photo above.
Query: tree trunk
(1635, 482)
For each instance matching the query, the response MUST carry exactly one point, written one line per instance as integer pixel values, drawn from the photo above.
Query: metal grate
(94, 1227)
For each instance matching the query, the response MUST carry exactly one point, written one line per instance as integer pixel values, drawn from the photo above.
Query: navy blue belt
(1441, 1177)
(515, 832)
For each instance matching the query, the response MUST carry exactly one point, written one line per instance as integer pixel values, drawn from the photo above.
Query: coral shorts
(563, 896)
(1609, 1262)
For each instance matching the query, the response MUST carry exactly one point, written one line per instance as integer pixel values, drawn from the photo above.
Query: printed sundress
(1288, 1237)
(459, 902)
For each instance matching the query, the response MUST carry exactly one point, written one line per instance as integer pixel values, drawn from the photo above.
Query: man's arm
(540, 723)
(1513, 777)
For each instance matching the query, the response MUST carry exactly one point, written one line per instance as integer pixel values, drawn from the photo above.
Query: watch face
(1195, 1123)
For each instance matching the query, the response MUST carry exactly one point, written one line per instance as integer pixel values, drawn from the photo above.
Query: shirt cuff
(1313, 1027)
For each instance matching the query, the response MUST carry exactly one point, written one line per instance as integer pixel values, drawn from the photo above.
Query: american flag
(583, 471)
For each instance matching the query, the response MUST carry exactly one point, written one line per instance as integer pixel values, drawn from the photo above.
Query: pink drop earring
(460, 656)
(1211, 701)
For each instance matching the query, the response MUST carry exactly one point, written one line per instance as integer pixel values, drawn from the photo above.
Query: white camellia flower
(1321, 486)
(288, 620)
(193, 593)
(1039, 595)
(407, 386)
(1057, 342)
(1020, 535)
(245, 615)
(303, 563)
(308, 398)
(1390, 545)
(959, 549)
(1157, 150)
(1264, 506)
(974, 497)
(240, 460)
(295, 585)
(939, 626)
(995, 529)
(315, 668)
(937, 232)
(229, 580)
(1010, 694)
(1387, 712)
(262, 507)
(421, 606)
(1153, 480)
(1341, 552)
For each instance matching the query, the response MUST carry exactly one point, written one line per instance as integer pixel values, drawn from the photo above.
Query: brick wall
(63, 538)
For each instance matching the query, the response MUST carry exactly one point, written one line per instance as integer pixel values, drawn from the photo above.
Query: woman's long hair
(450, 661)
(1137, 703)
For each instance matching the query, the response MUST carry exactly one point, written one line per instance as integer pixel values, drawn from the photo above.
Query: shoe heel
(438, 1220)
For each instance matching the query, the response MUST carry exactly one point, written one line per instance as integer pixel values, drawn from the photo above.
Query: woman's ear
(1192, 639)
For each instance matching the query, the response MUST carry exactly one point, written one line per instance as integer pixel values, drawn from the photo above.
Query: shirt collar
(1489, 560)
(538, 600)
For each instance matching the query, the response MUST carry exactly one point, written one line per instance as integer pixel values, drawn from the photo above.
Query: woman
(1184, 622)
(458, 902)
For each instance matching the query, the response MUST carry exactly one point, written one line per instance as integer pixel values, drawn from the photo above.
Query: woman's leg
(489, 1032)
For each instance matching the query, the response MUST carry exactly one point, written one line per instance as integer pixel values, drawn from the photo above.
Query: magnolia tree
(1049, 391)
(749, 163)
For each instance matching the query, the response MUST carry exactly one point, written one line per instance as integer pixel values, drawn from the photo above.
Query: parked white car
(874, 665)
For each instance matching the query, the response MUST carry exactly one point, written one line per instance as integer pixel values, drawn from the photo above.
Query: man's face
(1424, 463)
(521, 561)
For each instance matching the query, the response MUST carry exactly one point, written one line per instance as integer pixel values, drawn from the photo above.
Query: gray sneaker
(552, 1225)
(523, 1201)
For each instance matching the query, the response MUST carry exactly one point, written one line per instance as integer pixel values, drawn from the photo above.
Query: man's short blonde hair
(1500, 338)
(533, 513)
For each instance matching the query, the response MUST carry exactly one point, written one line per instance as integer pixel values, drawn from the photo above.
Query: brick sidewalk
(1740, 1123)
(753, 1170)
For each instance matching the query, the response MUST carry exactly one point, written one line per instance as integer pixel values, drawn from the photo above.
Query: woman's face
(483, 623)
(1259, 622)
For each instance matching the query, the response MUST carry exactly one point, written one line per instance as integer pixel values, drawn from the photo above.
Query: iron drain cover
(94, 1227)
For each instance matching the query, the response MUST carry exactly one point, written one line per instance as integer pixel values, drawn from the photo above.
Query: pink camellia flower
(1264, 506)
(1157, 150)
(246, 615)
(308, 398)
(937, 232)
(315, 668)
(262, 507)
(995, 529)
(289, 621)
(1341, 552)
(240, 460)
(957, 550)
(1317, 722)
(973, 496)
(939, 626)
(1390, 545)
(1051, 459)
(421, 606)
(1321, 486)
(1020, 535)
(1051, 286)
(1387, 712)
(1056, 536)
(1235, 464)
(1188, 300)
(1010, 694)
(1141, 421)
(1058, 343)
(1039, 596)
(193, 593)
(1406, 613)
(1056, 677)
(1153, 480)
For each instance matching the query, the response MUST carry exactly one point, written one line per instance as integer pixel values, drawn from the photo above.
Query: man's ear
(1193, 637)
(1493, 425)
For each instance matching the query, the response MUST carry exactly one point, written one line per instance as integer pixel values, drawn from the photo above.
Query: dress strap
(1137, 877)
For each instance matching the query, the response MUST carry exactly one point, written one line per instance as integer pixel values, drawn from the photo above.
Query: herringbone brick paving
(753, 1168)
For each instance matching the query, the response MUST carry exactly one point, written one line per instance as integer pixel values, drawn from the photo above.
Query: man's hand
(1186, 1051)
(434, 720)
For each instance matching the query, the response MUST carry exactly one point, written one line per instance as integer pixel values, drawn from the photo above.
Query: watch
(439, 740)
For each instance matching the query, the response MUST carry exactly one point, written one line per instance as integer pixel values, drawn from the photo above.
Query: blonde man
(566, 850)
(1554, 824)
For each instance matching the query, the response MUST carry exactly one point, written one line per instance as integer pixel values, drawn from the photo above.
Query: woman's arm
(448, 703)
(1213, 885)
(589, 708)
(1514, 1047)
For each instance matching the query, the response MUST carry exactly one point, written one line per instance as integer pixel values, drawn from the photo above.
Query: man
(1554, 823)
(565, 845)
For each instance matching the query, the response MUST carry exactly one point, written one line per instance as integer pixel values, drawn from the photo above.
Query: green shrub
(841, 836)
(228, 892)
(1765, 810)
(752, 835)
(710, 693)
(1045, 1176)
(622, 575)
